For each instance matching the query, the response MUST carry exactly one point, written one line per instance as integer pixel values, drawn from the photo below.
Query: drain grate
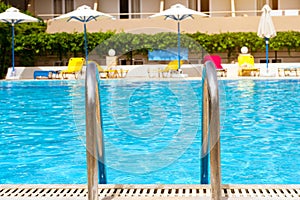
(149, 191)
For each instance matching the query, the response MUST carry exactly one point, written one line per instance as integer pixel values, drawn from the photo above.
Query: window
(22, 5)
(274, 4)
(58, 7)
(204, 5)
(63, 6)
(124, 8)
(69, 5)
(135, 8)
(129, 6)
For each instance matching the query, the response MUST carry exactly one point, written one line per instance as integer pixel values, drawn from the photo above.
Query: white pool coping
(146, 192)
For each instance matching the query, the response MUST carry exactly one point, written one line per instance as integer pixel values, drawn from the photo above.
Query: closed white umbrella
(14, 16)
(266, 28)
(84, 14)
(178, 13)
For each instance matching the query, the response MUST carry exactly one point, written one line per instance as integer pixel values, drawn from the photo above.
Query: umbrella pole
(267, 52)
(85, 44)
(13, 49)
(178, 43)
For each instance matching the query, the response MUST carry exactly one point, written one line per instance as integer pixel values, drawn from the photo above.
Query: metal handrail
(211, 130)
(94, 136)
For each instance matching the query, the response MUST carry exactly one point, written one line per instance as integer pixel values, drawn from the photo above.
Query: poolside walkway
(147, 192)
(192, 71)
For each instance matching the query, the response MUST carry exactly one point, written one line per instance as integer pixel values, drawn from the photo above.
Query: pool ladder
(210, 132)
(94, 137)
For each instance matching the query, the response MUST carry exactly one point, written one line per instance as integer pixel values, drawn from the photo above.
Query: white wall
(217, 5)
(43, 7)
(289, 4)
(152, 6)
(169, 3)
(111, 6)
(244, 5)
(78, 3)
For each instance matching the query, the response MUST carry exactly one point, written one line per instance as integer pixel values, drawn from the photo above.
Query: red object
(216, 59)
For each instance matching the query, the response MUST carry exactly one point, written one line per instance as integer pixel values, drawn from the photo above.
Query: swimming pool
(42, 131)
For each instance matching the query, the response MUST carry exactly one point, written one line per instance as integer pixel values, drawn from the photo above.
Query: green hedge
(63, 45)
(29, 46)
(31, 41)
(5, 39)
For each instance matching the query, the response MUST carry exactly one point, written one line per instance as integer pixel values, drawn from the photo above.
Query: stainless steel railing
(94, 136)
(211, 130)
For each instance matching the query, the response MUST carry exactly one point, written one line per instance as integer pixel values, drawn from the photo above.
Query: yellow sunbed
(246, 65)
(110, 73)
(74, 67)
(171, 68)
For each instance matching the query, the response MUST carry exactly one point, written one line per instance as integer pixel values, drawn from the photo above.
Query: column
(96, 4)
(232, 8)
(162, 5)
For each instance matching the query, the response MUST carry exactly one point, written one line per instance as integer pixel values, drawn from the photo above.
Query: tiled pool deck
(132, 192)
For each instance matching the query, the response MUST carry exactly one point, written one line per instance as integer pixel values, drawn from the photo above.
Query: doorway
(204, 5)
(124, 9)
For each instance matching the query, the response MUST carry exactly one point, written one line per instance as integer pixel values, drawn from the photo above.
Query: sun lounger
(289, 71)
(110, 73)
(117, 73)
(246, 66)
(74, 67)
(45, 74)
(216, 59)
(249, 71)
(171, 68)
(102, 72)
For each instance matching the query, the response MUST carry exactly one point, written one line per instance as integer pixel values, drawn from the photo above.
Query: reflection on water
(246, 87)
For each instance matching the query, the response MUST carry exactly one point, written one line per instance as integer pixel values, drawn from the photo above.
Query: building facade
(127, 9)
(132, 16)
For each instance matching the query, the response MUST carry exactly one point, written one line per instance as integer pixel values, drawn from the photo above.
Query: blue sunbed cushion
(43, 73)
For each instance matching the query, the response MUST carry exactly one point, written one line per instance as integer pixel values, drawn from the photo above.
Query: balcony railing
(242, 13)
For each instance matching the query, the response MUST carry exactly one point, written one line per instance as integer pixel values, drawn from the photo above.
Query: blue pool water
(152, 131)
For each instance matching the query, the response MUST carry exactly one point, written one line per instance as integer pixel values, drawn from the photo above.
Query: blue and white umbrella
(178, 13)
(14, 16)
(266, 28)
(84, 14)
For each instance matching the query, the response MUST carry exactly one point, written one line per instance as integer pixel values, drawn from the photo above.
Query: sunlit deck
(117, 192)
